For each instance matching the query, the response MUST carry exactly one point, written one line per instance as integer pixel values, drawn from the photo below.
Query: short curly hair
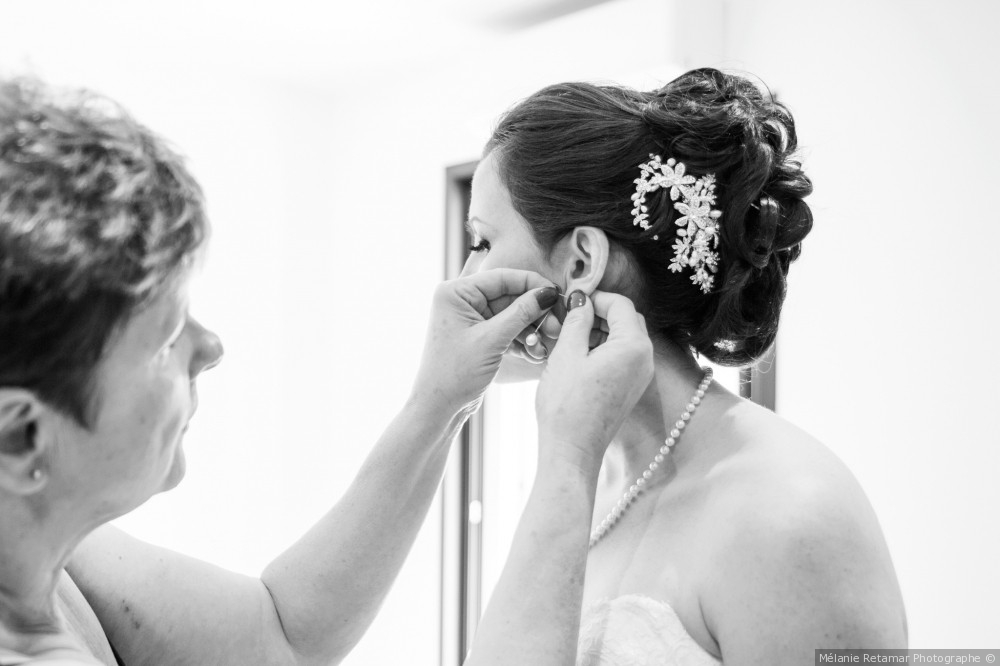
(97, 215)
(569, 156)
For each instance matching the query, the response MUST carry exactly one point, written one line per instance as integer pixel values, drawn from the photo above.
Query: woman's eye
(481, 246)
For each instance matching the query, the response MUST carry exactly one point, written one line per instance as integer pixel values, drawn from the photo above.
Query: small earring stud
(36, 474)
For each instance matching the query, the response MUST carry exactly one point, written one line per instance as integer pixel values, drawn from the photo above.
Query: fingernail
(559, 310)
(546, 297)
(576, 299)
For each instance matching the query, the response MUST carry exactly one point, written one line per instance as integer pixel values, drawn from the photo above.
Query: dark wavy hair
(97, 215)
(569, 154)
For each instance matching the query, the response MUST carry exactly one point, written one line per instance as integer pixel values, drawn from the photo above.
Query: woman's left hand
(473, 321)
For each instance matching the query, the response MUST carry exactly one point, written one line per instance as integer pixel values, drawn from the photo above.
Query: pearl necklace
(633, 492)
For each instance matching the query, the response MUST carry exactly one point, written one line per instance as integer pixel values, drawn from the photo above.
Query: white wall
(327, 200)
(887, 348)
(885, 351)
(424, 118)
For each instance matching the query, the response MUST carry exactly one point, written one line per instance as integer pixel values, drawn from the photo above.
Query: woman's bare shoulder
(796, 542)
(765, 457)
(778, 482)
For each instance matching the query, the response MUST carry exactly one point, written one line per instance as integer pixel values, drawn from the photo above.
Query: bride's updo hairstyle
(569, 156)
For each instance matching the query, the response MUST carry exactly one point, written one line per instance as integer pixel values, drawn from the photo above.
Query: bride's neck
(675, 379)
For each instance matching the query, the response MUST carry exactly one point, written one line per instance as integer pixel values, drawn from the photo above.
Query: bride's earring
(532, 338)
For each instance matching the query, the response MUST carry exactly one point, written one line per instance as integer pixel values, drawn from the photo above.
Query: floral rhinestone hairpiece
(698, 237)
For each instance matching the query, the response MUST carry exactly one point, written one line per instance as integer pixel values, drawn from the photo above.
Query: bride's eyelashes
(481, 246)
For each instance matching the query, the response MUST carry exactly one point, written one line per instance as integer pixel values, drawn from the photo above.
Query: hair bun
(768, 216)
(712, 122)
(735, 128)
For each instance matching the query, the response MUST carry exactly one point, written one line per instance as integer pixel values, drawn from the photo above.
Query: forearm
(311, 605)
(533, 616)
(329, 585)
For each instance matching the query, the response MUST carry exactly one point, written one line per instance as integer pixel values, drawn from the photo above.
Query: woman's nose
(209, 350)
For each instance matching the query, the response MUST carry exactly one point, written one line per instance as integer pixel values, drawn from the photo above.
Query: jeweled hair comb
(698, 235)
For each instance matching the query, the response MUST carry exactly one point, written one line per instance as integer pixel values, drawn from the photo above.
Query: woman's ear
(585, 258)
(21, 452)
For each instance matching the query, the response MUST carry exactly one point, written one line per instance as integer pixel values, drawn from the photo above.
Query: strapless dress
(635, 630)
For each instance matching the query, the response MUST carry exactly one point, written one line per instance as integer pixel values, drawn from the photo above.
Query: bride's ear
(585, 259)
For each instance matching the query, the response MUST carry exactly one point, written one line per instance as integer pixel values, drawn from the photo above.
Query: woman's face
(502, 239)
(145, 395)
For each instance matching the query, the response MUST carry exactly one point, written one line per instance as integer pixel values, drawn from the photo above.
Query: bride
(720, 532)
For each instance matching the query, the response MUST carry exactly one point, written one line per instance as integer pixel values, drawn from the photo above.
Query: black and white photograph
(509, 332)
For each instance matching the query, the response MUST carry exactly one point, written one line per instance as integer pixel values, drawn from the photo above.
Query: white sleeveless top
(634, 630)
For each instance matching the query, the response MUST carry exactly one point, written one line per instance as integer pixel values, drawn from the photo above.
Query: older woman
(99, 226)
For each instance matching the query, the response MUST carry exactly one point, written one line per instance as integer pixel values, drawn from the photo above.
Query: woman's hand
(473, 321)
(582, 399)
(585, 393)
(535, 349)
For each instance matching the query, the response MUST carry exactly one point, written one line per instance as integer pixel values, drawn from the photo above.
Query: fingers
(619, 313)
(597, 337)
(559, 310)
(552, 323)
(574, 337)
(520, 314)
(598, 333)
(534, 354)
(533, 342)
(494, 290)
(550, 326)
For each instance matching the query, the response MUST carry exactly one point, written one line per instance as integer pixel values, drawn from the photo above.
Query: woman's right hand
(473, 322)
(585, 394)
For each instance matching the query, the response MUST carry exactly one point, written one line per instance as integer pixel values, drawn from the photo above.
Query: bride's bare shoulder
(759, 442)
(796, 545)
(777, 482)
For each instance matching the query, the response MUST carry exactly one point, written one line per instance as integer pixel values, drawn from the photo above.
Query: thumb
(521, 313)
(575, 334)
